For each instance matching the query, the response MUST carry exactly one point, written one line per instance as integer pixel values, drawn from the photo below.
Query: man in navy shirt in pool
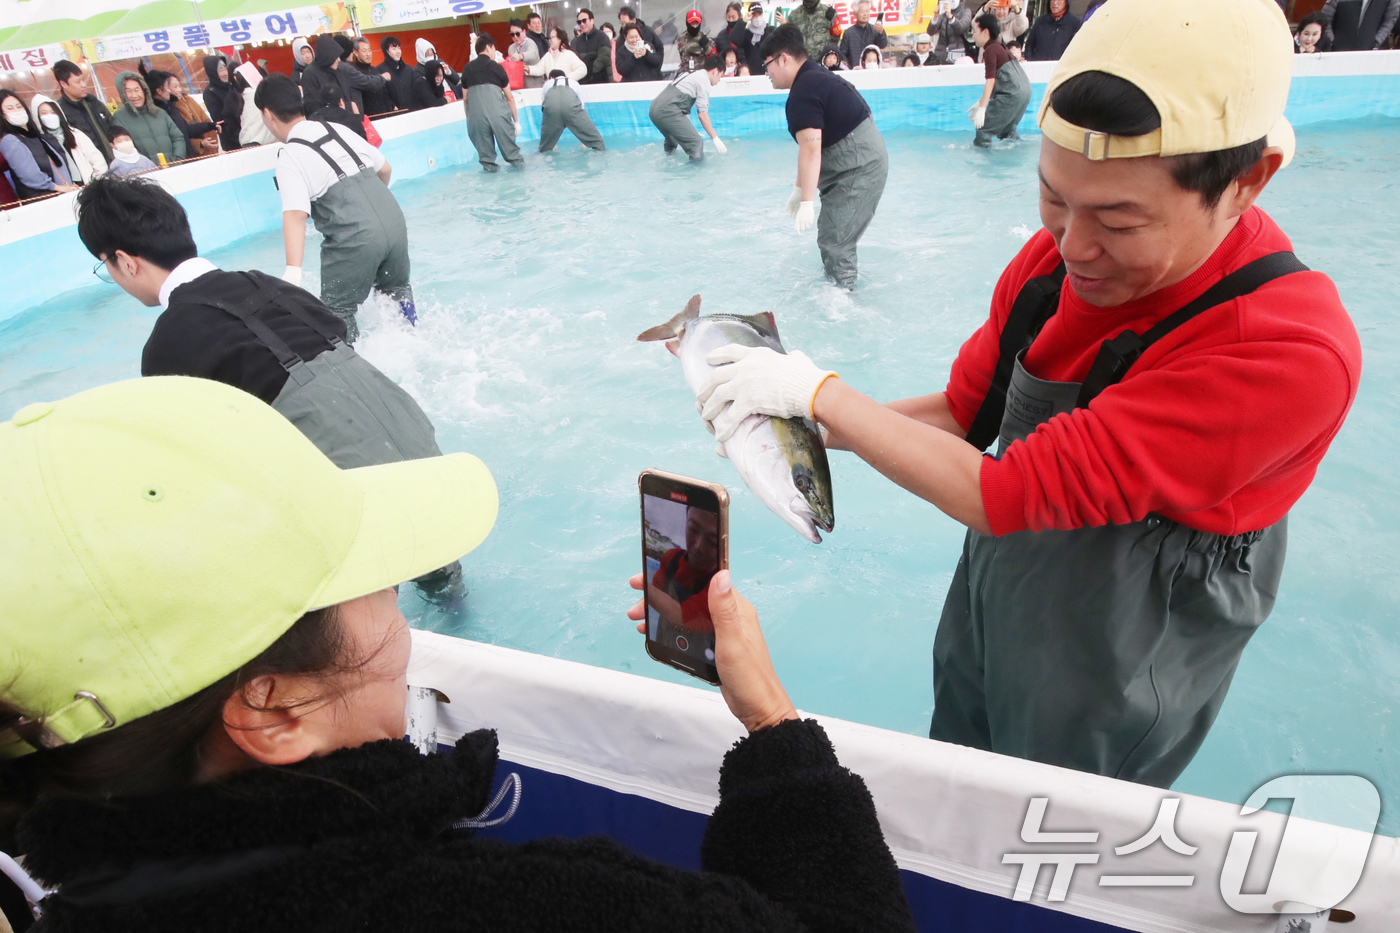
(840, 153)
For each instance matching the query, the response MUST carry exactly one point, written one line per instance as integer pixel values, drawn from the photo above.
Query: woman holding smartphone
(206, 731)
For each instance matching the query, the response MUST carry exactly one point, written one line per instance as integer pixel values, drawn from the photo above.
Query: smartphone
(685, 542)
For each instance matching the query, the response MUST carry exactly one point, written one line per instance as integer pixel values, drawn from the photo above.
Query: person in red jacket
(1162, 377)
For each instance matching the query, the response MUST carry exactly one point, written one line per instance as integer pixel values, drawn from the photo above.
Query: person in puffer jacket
(151, 128)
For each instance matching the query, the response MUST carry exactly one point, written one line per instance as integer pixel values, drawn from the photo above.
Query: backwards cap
(162, 532)
(1216, 70)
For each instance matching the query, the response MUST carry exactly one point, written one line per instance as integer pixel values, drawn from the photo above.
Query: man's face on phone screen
(702, 542)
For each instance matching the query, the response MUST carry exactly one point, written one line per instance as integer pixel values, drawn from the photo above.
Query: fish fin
(764, 323)
(675, 325)
(674, 346)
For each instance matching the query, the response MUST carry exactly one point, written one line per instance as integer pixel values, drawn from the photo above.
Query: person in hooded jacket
(433, 91)
(151, 128)
(302, 55)
(734, 33)
(321, 90)
(84, 158)
(424, 52)
(35, 161)
(222, 100)
(401, 74)
(254, 132)
(354, 84)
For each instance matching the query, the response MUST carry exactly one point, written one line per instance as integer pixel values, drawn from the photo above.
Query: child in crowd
(125, 159)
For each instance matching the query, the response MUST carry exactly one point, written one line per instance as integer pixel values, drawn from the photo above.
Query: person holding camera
(207, 730)
(860, 35)
(951, 30)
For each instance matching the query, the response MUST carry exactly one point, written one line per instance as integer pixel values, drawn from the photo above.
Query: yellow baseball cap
(1217, 70)
(160, 533)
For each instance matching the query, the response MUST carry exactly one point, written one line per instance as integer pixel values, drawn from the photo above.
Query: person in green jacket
(151, 128)
(814, 18)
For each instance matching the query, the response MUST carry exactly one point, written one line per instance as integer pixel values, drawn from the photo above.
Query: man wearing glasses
(594, 48)
(839, 152)
(524, 50)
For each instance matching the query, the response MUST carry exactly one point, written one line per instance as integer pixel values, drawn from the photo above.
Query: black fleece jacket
(360, 840)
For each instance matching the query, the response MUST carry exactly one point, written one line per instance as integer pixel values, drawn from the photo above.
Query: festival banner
(900, 17)
(375, 13)
(31, 59)
(243, 30)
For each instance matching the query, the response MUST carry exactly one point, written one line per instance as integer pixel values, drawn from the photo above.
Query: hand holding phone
(751, 687)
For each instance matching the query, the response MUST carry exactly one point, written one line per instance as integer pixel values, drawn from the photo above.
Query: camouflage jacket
(694, 51)
(815, 26)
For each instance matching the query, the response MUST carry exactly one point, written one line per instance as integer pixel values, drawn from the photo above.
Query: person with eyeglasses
(524, 50)
(840, 152)
(594, 49)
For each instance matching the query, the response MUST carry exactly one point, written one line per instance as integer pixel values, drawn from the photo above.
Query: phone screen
(684, 544)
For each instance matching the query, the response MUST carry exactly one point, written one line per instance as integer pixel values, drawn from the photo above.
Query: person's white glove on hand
(292, 275)
(979, 116)
(517, 128)
(794, 201)
(806, 216)
(757, 381)
(720, 147)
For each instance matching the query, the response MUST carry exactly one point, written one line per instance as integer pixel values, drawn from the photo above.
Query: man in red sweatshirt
(1162, 377)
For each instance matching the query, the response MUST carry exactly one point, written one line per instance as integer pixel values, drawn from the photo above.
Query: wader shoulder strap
(1118, 355)
(318, 146)
(247, 312)
(1035, 304)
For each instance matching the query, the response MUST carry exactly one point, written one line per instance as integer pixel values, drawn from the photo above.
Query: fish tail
(675, 325)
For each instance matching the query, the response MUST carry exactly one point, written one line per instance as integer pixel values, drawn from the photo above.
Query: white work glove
(757, 381)
(720, 146)
(978, 114)
(292, 275)
(794, 200)
(806, 216)
(517, 128)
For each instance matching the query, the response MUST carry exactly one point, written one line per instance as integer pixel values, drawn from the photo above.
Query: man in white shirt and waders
(341, 182)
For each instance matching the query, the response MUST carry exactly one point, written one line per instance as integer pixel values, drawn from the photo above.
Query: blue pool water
(532, 285)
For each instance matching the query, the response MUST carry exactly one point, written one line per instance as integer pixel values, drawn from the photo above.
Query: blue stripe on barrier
(555, 805)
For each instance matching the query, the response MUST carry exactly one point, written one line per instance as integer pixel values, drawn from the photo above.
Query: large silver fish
(781, 459)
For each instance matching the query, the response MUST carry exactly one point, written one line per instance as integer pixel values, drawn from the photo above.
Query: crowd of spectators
(53, 144)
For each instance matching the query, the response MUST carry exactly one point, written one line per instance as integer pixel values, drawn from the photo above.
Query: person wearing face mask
(561, 109)
(302, 55)
(224, 103)
(816, 21)
(692, 45)
(950, 29)
(860, 35)
(36, 162)
(923, 49)
(638, 61)
(670, 110)
(126, 159)
(759, 29)
(85, 160)
(734, 34)
(151, 128)
(424, 52)
(1050, 35)
(1006, 93)
(870, 58)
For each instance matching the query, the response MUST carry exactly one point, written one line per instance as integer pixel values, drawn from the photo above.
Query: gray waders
(670, 113)
(560, 110)
(366, 239)
(352, 412)
(1008, 105)
(489, 124)
(1110, 649)
(851, 181)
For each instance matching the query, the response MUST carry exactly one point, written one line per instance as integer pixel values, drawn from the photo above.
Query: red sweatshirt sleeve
(1229, 435)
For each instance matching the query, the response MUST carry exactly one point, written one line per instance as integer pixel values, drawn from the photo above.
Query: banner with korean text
(244, 30)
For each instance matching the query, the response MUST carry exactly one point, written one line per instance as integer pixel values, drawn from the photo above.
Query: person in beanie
(1161, 376)
(839, 153)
